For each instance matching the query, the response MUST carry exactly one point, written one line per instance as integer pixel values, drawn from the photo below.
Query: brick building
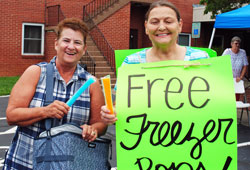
(27, 35)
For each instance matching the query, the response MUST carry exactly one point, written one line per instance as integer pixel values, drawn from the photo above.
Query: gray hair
(236, 38)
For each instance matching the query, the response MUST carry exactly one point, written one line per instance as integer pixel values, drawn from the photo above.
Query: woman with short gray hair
(238, 59)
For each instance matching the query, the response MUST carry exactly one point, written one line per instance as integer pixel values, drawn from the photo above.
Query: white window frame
(189, 37)
(42, 38)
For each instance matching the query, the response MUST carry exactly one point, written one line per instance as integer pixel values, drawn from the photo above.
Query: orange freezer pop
(107, 93)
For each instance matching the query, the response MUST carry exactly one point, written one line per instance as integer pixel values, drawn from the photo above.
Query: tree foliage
(221, 6)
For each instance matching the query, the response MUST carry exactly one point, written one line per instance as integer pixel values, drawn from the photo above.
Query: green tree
(221, 6)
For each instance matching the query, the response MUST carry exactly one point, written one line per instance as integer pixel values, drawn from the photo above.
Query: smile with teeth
(71, 53)
(160, 35)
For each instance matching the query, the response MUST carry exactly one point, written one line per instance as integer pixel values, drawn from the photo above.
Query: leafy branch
(221, 6)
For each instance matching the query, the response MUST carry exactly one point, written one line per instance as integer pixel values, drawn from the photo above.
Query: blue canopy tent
(235, 19)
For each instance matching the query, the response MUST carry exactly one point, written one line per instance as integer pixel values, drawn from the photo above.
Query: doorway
(133, 39)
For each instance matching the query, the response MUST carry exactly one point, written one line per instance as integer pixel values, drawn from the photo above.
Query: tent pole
(212, 38)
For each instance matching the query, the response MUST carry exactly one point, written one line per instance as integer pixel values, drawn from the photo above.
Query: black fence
(96, 7)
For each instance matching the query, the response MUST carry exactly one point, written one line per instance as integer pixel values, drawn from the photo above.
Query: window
(184, 39)
(32, 39)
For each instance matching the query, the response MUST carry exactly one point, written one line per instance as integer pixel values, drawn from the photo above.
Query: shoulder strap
(49, 91)
(49, 84)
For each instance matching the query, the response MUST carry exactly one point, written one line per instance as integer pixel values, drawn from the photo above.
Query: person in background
(162, 25)
(238, 60)
(26, 103)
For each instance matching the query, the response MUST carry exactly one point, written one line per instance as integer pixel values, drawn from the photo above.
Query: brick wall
(186, 12)
(70, 8)
(13, 14)
(116, 28)
(49, 45)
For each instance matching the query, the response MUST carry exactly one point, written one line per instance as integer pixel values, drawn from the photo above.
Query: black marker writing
(175, 132)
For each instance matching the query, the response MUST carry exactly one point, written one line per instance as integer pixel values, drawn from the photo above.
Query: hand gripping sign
(176, 115)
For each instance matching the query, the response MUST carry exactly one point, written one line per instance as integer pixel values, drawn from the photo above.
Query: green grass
(6, 84)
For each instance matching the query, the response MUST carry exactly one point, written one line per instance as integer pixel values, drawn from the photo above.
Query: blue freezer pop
(71, 101)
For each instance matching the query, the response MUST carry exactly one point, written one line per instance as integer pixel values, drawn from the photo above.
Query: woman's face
(162, 26)
(235, 45)
(70, 46)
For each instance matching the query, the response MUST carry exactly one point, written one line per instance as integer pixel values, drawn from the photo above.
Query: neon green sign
(177, 115)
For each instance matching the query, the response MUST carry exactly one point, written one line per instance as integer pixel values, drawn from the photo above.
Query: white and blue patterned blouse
(238, 60)
(20, 153)
(140, 57)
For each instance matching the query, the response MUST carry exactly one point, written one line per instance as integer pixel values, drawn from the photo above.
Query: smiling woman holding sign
(27, 108)
(162, 25)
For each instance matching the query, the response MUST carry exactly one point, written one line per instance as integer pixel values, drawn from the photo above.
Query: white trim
(2, 118)
(4, 147)
(5, 96)
(42, 39)
(10, 131)
(1, 162)
(243, 144)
